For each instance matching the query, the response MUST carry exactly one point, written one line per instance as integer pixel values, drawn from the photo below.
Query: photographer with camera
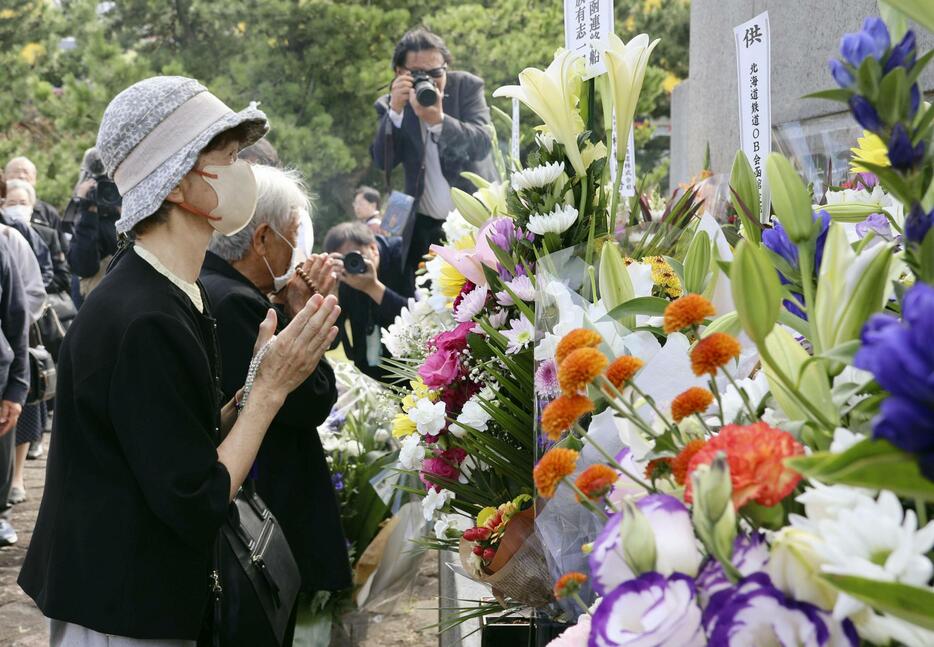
(372, 290)
(436, 123)
(94, 211)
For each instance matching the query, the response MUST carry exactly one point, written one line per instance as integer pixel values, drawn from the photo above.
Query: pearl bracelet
(252, 371)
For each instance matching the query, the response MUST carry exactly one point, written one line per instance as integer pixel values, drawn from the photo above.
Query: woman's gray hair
(25, 186)
(281, 196)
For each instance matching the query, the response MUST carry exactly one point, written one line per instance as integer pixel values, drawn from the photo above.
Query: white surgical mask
(279, 282)
(20, 213)
(235, 187)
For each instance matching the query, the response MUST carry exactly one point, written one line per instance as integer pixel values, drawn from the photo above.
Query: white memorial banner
(627, 184)
(587, 27)
(755, 98)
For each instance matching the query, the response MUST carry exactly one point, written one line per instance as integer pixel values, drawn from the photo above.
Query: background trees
(315, 65)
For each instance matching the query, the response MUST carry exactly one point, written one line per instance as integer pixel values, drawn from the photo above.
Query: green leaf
(893, 96)
(650, 306)
(697, 263)
(868, 76)
(875, 464)
(911, 603)
(921, 11)
(837, 94)
(790, 198)
(918, 68)
(842, 354)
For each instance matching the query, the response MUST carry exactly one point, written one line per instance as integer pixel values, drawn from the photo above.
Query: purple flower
(915, 101)
(841, 74)
(776, 239)
(903, 54)
(337, 480)
(750, 555)
(876, 29)
(649, 611)
(754, 612)
(546, 379)
(902, 154)
(673, 535)
(901, 357)
(856, 47)
(918, 223)
(876, 223)
(865, 114)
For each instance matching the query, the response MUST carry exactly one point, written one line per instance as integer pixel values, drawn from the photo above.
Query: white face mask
(235, 187)
(20, 213)
(279, 282)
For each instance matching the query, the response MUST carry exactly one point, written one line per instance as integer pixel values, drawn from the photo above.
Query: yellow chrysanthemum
(664, 276)
(870, 149)
(402, 426)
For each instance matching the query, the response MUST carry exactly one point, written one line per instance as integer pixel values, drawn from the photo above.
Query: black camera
(104, 194)
(354, 263)
(426, 92)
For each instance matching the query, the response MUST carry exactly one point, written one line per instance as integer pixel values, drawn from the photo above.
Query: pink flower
(454, 341)
(444, 465)
(470, 262)
(440, 369)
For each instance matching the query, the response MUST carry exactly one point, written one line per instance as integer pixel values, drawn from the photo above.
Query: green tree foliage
(316, 66)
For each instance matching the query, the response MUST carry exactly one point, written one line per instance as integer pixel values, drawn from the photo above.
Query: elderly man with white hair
(239, 272)
(22, 168)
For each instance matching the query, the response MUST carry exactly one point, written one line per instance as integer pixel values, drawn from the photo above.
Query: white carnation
(472, 416)
(411, 453)
(428, 417)
(435, 500)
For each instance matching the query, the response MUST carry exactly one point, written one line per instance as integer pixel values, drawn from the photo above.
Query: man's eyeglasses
(435, 73)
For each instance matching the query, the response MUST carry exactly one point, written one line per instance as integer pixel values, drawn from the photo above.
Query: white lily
(625, 65)
(553, 94)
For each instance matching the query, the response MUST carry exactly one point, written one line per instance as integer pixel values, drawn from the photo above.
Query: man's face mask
(19, 213)
(279, 282)
(235, 187)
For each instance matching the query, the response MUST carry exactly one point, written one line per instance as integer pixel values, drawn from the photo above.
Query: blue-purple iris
(918, 223)
(865, 113)
(903, 54)
(902, 154)
(901, 357)
(873, 40)
(777, 240)
(841, 74)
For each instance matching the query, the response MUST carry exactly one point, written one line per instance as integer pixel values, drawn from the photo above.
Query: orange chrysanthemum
(577, 338)
(557, 464)
(623, 369)
(694, 400)
(689, 310)
(756, 455)
(679, 464)
(580, 368)
(562, 412)
(569, 584)
(657, 468)
(713, 351)
(596, 481)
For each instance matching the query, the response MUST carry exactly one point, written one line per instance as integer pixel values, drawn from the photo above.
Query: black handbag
(42, 373)
(259, 577)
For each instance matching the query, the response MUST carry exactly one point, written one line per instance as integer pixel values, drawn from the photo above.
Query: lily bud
(615, 284)
(790, 198)
(757, 292)
(638, 540)
(713, 514)
(469, 207)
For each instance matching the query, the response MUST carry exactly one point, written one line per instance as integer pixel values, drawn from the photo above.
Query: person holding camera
(372, 290)
(436, 123)
(93, 212)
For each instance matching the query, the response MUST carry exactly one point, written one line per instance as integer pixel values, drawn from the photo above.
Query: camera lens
(425, 90)
(354, 263)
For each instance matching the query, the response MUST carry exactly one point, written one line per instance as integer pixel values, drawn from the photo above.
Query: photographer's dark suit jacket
(464, 143)
(291, 474)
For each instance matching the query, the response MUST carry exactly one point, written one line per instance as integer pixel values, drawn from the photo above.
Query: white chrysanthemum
(428, 416)
(537, 176)
(556, 222)
(411, 452)
(732, 401)
(472, 416)
(456, 228)
(471, 305)
(434, 500)
(521, 286)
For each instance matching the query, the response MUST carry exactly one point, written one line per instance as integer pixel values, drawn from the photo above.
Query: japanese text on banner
(755, 108)
(627, 183)
(588, 23)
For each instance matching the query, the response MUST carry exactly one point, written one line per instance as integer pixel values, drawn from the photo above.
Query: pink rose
(454, 340)
(445, 465)
(440, 369)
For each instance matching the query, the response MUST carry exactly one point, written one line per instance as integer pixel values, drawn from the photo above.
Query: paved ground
(21, 624)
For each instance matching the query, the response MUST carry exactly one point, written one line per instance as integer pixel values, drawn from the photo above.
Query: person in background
(262, 152)
(147, 456)
(94, 211)
(373, 288)
(366, 207)
(14, 375)
(22, 168)
(239, 272)
(435, 143)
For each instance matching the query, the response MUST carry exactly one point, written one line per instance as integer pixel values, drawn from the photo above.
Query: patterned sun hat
(151, 135)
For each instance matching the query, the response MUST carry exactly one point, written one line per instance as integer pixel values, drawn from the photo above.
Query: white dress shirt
(435, 200)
